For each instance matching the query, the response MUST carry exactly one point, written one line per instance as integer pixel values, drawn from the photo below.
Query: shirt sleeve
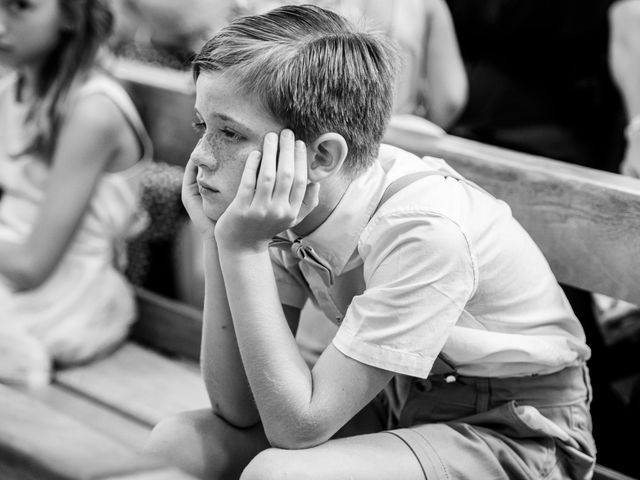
(291, 284)
(419, 274)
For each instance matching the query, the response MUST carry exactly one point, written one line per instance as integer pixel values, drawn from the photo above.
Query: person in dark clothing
(539, 80)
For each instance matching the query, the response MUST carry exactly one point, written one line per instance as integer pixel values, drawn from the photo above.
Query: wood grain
(138, 383)
(38, 439)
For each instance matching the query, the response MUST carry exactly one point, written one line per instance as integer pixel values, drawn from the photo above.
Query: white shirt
(440, 266)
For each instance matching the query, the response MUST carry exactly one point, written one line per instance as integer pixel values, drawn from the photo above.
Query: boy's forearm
(279, 377)
(221, 364)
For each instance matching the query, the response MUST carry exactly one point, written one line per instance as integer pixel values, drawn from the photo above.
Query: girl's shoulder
(99, 83)
(101, 87)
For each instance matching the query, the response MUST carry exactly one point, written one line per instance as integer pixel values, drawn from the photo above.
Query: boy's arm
(299, 408)
(220, 363)
(222, 367)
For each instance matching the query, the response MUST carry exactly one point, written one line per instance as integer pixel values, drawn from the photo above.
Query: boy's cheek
(226, 154)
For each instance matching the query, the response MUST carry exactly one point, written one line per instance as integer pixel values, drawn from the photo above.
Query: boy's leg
(375, 456)
(202, 444)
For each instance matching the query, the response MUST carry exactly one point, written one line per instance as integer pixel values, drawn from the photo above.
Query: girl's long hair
(87, 25)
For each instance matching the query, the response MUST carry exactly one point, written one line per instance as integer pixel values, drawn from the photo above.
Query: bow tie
(308, 260)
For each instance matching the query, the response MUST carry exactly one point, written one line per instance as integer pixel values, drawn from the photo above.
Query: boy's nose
(202, 156)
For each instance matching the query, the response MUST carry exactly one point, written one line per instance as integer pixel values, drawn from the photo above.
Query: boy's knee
(177, 430)
(274, 464)
(181, 440)
(204, 445)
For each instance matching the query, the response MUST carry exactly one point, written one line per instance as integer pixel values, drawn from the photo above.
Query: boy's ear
(327, 154)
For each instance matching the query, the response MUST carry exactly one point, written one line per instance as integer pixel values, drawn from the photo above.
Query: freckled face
(233, 124)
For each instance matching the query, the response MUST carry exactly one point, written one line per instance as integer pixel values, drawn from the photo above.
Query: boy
(457, 355)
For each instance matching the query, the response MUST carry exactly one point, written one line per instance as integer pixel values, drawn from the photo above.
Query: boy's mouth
(204, 188)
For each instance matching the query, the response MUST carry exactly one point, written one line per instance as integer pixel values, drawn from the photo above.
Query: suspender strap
(406, 180)
(442, 365)
(398, 184)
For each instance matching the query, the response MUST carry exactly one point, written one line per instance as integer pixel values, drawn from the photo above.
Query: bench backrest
(586, 221)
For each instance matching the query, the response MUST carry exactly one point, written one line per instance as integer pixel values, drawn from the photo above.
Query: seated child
(72, 153)
(457, 354)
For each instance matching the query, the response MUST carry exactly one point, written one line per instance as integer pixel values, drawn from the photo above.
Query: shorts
(536, 427)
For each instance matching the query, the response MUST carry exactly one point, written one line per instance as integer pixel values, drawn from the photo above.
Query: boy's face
(233, 124)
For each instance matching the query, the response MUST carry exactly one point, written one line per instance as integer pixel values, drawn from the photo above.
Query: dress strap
(109, 87)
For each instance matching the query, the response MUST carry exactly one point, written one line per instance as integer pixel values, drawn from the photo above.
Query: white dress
(86, 306)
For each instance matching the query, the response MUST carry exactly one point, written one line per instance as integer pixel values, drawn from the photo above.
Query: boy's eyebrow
(226, 118)
(221, 116)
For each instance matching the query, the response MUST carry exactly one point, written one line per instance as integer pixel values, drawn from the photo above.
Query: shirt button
(338, 319)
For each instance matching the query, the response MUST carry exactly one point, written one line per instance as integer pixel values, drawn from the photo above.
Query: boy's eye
(18, 5)
(199, 127)
(230, 134)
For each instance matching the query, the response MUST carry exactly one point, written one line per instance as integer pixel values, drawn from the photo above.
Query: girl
(72, 150)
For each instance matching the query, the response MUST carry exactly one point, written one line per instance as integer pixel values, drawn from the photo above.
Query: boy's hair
(87, 25)
(313, 71)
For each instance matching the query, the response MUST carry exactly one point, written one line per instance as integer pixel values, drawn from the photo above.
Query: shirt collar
(337, 238)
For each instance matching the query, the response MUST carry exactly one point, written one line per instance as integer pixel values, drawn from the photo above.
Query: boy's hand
(192, 202)
(271, 193)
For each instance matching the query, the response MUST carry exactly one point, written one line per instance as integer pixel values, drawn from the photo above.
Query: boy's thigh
(377, 456)
(424, 452)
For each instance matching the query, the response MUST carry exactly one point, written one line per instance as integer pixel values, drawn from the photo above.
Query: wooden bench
(91, 422)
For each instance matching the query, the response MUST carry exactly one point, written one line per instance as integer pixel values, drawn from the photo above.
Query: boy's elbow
(234, 417)
(292, 435)
(29, 277)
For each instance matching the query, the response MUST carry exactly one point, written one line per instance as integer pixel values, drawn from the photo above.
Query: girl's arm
(446, 75)
(89, 139)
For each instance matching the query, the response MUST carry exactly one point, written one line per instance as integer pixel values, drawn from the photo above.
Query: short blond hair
(313, 71)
